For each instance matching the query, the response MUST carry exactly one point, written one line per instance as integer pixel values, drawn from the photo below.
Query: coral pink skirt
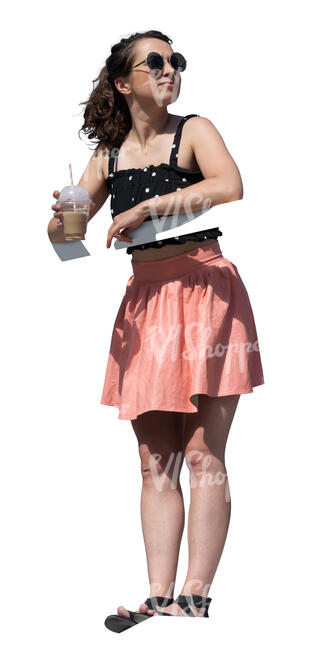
(185, 327)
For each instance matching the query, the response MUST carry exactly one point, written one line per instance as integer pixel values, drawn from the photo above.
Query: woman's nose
(168, 70)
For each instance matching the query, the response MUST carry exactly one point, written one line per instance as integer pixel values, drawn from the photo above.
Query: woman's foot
(175, 609)
(143, 609)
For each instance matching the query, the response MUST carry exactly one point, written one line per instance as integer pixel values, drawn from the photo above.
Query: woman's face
(145, 84)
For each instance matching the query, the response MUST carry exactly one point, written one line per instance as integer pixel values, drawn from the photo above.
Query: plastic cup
(75, 204)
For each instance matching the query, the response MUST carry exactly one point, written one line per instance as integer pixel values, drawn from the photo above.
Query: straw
(70, 171)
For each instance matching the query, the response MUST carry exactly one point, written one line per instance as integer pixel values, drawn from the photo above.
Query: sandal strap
(195, 600)
(161, 601)
(131, 615)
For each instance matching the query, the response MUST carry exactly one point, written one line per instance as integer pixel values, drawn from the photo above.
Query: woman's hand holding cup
(55, 226)
(58, 214)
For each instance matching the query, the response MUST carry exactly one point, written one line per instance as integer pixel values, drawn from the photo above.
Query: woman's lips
(167, 83)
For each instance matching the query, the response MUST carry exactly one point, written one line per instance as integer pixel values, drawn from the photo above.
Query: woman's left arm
(222, 181)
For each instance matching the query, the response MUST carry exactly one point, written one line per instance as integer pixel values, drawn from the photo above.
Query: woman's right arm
(93, 180)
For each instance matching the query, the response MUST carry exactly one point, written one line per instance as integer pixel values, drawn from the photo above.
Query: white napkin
(164, 227)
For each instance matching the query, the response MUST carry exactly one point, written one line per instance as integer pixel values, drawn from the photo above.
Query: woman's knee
(161, 468)
(204, 467)
(160, 443)
(206, 432)
(198, 457)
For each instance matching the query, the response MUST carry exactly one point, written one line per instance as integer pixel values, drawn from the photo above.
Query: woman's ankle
(164, 593)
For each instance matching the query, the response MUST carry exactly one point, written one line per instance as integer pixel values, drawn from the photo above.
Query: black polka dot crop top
(128, 187)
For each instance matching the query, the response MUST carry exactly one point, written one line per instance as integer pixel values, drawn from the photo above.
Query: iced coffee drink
(75, 203)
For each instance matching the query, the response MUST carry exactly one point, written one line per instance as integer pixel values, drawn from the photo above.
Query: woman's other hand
(123, 223)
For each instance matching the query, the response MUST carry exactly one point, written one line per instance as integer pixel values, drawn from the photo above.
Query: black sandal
(161, 601)
(118, 623)
(185, 601)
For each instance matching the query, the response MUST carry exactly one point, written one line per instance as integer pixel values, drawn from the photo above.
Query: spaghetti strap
(111, 162)
(177, 139)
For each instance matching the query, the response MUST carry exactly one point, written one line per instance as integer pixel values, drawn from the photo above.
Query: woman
(184, 345)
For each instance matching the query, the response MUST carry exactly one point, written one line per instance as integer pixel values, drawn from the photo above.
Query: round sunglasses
(156, 62)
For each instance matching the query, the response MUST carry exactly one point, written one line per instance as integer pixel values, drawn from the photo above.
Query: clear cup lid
(74, 193)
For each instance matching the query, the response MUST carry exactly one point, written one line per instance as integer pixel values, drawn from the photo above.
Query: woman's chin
(169, 99)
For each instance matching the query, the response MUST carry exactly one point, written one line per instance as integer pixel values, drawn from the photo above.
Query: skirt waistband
(177, 265)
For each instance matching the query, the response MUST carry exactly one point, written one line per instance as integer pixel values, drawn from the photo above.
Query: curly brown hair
(107, 116)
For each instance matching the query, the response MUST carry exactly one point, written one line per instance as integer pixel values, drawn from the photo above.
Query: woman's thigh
(206, 432)
(160, 441)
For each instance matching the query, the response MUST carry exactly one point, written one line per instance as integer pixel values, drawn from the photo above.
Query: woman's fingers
(123, 223)
(124, 235)
(56, 207)
(121, 237)
(118, 231)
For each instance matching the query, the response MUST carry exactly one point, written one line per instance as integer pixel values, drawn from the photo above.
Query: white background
(72, 547)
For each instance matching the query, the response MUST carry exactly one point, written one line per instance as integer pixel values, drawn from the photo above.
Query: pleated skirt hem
(177, 408)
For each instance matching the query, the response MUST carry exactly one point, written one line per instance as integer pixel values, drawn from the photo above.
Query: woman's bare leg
(205, 439)
(160, 438)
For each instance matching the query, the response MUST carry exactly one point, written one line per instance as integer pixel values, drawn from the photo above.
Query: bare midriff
(151, 254)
